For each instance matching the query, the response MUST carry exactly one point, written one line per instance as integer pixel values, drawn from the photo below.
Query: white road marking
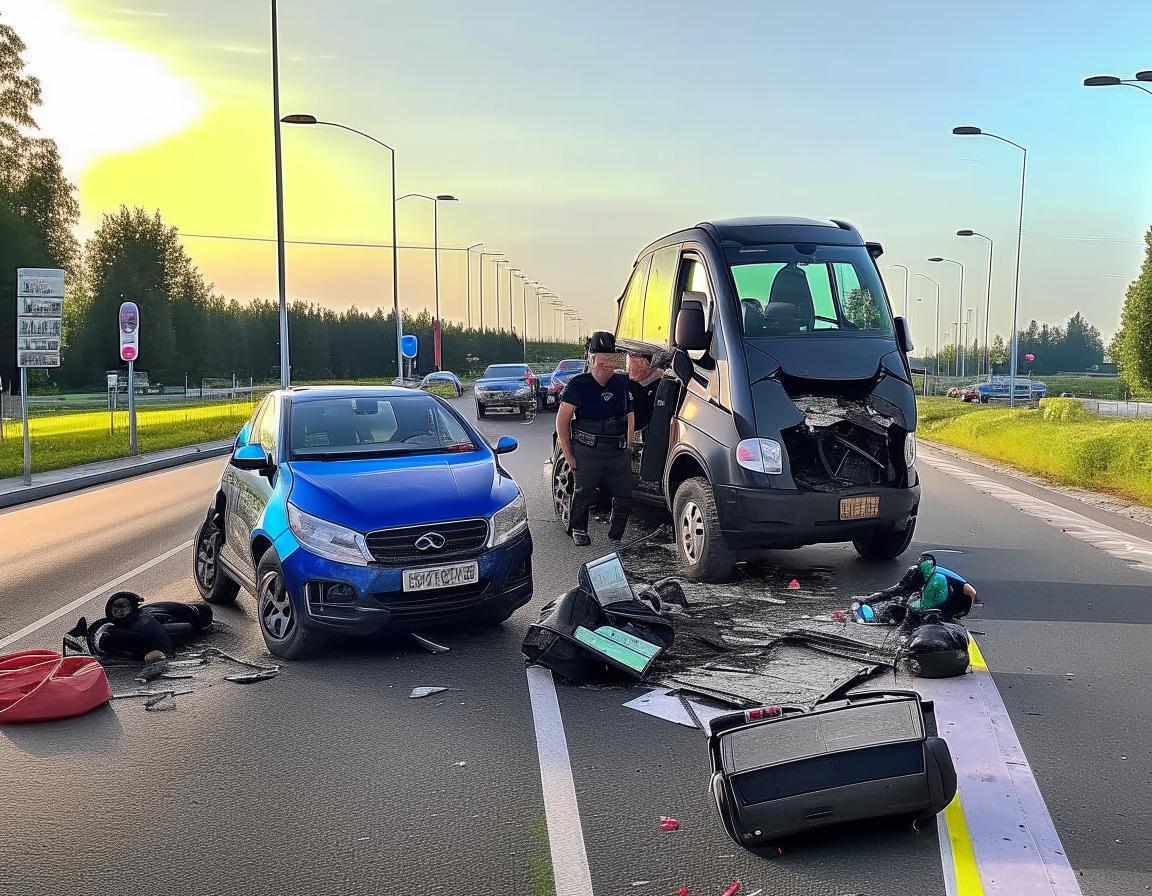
(80, 601)
(565, 835)
(1121, 545)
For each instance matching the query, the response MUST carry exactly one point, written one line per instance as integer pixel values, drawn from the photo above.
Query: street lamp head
(967, 130)
(1102, 81)
(965, 233)
(446, 197)
(1144, 76)
(299, 119)
(936, 258)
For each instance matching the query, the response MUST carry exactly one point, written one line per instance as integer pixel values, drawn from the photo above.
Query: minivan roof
(765, 230)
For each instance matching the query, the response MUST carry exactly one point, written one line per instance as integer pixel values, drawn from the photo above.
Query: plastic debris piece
(216, 651)
(779, 850)
(430, 646)
(417, 693)
(152, 671)
(756, 892)
(641, 883)
(732, 888)
(794, 585)
(461, 764)
(249, 677)
(127, 695)
(669, 824)
(176, 675)
(161, 703)
(838, 616)
(683, 891)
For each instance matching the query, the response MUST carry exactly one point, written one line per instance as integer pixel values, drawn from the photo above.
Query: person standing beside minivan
(595, 426)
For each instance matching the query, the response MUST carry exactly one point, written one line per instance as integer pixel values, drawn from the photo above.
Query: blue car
(351, 510)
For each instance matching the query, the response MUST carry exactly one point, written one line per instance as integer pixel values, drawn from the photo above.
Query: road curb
(27, 494)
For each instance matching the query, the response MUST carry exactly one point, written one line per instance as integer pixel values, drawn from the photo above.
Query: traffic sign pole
(132, 408)
(24, 417)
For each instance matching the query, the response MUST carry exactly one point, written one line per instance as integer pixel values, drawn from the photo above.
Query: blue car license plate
(430, 578)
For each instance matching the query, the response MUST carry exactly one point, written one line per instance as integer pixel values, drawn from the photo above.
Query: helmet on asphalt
(601, 342)
(123, 607)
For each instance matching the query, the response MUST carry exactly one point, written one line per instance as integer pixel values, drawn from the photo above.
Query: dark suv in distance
(787, 415)
(514, 388)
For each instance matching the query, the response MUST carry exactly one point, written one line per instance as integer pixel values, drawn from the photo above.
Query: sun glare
(102, 96)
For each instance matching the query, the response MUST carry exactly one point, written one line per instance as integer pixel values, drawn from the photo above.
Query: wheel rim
(276, 616)
(562, 486)
(207, 552)
(692, 531)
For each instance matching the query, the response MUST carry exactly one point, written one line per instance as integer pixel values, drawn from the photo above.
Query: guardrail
(1136, 410)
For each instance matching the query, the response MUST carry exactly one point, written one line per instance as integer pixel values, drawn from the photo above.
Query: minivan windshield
(376, 426)
(794, 290)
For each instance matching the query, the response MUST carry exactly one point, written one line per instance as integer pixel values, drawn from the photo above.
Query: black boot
(619, 523)
(581, 538)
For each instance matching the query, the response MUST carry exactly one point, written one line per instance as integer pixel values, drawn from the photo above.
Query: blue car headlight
(508, 522)
(328, 540)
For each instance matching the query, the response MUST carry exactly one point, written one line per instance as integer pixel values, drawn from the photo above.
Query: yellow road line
(963, 855)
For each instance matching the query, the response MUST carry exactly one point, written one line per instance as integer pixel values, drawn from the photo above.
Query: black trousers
(611, 469)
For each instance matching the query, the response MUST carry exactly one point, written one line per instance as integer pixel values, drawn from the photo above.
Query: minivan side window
(695, 279)
(658, 295)
(631, 323)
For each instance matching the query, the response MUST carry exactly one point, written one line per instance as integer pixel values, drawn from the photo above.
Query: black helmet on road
(601, 342)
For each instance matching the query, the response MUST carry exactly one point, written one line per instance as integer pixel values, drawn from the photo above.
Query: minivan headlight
(909, 450)
(760, 456)
(509, 521)
(328, 540)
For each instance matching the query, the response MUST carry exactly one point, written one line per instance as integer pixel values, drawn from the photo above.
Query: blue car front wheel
(279, 621)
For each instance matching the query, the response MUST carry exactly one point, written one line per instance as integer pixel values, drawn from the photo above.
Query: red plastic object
(732, 888)
(42, 685)
(794, 584)
(683, 891)
(669, 824)
(837, 615)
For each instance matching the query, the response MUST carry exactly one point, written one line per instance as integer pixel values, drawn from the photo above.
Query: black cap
(601, 342)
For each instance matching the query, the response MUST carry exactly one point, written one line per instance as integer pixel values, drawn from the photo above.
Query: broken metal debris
(430, 646)
(128, 695)
(250, 677)
(417, 693)
(162, 703)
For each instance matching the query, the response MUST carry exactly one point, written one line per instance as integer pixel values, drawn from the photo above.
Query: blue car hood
(379, 493)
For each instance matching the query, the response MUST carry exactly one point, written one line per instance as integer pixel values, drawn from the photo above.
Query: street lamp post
(436, 324)
(285, 369)
(969, 131)
(511, 317)
(468, 279)
(524, 296)
(481, 270)
(313, 120)
(960, 311)
(1112, 81)
(496, 264)
(937, 285)
(907, 276)
(987, 298)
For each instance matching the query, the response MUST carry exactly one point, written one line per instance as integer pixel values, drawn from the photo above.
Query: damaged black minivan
(787, 415)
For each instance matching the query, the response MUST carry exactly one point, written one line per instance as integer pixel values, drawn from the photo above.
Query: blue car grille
(463, 539)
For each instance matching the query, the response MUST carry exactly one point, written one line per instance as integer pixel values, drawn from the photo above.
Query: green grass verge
(69, 439)
(1059, 440)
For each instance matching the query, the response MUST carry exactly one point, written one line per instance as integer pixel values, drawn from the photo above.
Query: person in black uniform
(595, 425)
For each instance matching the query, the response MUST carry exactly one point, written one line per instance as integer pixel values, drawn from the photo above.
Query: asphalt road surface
(330, 780)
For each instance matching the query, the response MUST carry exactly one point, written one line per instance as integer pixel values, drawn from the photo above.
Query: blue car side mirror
(251, 457)
(506, 445)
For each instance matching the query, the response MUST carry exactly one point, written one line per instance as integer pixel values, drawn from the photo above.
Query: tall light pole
(468, 278)
(937, 285)
(496, 264)
(959, 311)
(541, 293)
(907, 276)
(436, 324)
(968, 330)
(313, 120)
(1112, 81)
(970, 131)
(481, 269)
(987, 298)
(524, 295)
(285, 369)
(511, 320)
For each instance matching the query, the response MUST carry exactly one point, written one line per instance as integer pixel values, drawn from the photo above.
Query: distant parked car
(564, 372)
(969, 393)
(954, 392)
(507, 387)
(443, 383)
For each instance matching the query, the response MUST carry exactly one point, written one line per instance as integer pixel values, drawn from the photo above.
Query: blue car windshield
(355, 427)
(794, 290)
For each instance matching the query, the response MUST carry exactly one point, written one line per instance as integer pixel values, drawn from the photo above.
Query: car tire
(703, 551)
(278, 618)
(479, 411)
(563, 484)
(213, 583)
(884, 546)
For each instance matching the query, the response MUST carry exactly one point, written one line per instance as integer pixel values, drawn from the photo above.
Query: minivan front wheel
(700, 545)
(885, 545)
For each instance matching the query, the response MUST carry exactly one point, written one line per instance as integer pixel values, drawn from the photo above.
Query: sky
(575, 134)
